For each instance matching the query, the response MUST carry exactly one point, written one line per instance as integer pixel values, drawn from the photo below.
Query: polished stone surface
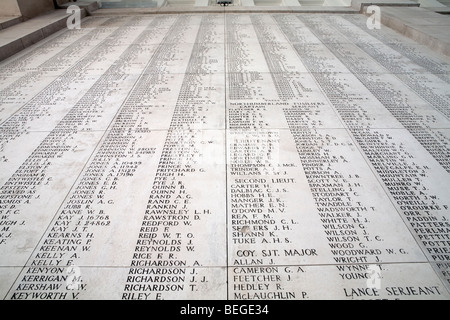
(225, 156)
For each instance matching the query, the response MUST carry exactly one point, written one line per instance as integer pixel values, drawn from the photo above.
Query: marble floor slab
(225, 156)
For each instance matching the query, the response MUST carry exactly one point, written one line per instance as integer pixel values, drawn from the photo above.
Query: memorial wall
(225, 156)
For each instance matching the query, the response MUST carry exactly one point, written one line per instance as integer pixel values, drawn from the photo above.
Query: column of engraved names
(327, 152)
(424, 210)
(343, 214)
(71, 236)
(19, 116)
(25, 76)
(403, 173)
(168, 260)
(428, 79)
(333, 191)
(409, 49)
(261, 178)
(383, 87)
(26, 183)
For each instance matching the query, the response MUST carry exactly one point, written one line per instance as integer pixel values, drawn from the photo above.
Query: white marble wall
(236, 156)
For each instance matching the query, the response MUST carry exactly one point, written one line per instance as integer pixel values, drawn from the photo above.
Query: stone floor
(225, 156)
(16, 35)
